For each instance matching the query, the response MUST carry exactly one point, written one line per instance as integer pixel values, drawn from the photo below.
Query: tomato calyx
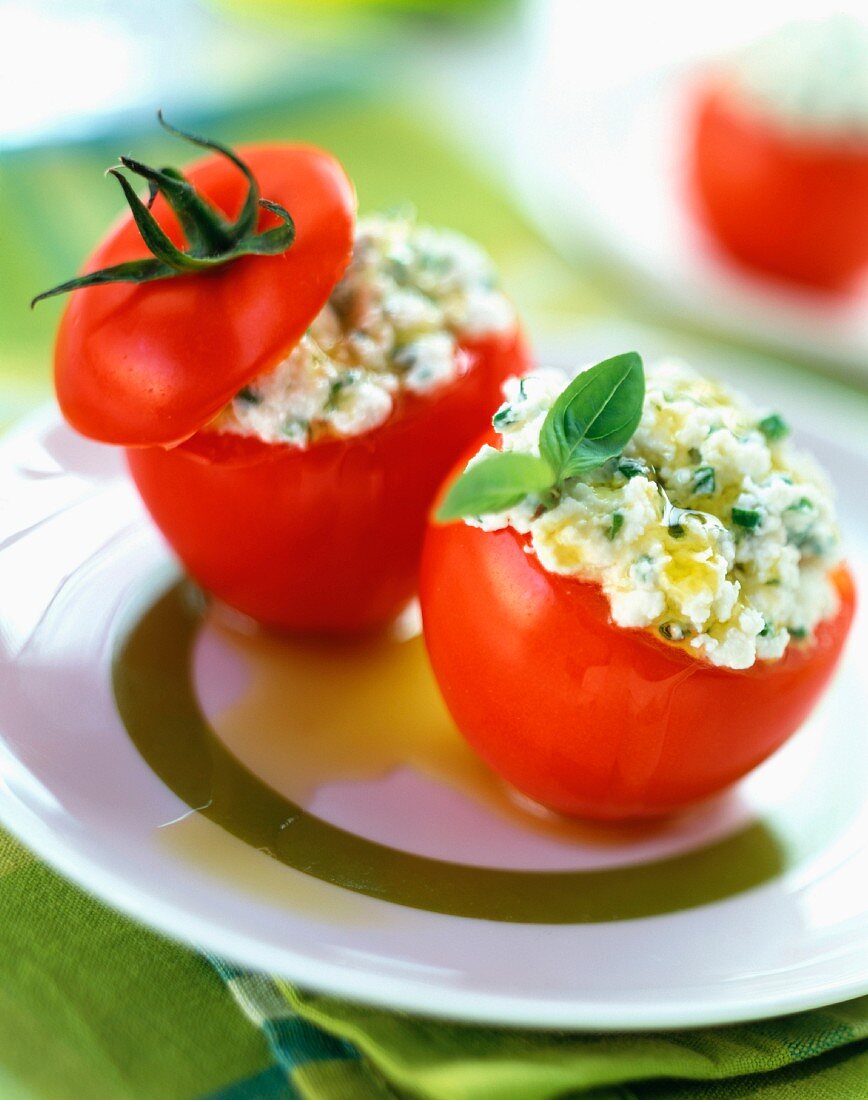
(212, 239)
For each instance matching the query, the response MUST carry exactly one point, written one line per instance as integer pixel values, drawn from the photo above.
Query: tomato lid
(151, 363)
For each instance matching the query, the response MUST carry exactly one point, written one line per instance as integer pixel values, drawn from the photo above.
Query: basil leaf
(494, 484)
(595, 417)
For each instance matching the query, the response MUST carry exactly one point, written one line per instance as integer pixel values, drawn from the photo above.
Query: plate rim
(384, 991)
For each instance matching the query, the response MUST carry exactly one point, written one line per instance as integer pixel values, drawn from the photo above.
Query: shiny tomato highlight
(782, 203)
(325, 539)
(586, 717)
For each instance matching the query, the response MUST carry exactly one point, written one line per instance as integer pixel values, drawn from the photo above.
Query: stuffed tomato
(651, 598)
(290, 399)
(779, 154)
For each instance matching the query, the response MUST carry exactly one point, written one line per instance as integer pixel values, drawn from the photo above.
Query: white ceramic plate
(305, 785)
(607, 169)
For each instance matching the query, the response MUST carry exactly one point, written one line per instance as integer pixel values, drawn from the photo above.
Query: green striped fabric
(331, 1050)
(92, 1005)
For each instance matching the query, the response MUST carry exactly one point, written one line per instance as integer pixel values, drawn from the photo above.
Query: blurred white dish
(607, 171)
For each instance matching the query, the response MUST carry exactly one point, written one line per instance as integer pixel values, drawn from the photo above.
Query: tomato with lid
(158, 353)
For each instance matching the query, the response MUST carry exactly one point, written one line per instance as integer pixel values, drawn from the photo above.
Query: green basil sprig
(595, 417)
(494, 484)
(589, 423)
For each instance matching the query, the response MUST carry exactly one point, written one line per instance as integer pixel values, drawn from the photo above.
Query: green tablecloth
(92, 1005)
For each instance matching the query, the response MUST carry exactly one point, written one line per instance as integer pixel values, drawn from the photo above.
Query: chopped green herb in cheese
(393, 323)
(710, 529)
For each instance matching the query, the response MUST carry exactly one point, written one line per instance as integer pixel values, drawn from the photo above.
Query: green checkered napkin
(331, 1050)
(93, 1006)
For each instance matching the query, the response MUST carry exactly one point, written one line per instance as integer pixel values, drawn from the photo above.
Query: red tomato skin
(783, 204)
(324, 540)
(150, 364)
(585, 717)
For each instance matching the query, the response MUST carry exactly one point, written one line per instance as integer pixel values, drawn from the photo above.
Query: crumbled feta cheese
(810, 76)
(430, 360)
(726, 535)
(394, 323)
(359, 408)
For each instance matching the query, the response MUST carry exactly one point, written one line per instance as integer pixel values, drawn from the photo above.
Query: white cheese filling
(393, 323)
(710, 529)
(810, 76)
